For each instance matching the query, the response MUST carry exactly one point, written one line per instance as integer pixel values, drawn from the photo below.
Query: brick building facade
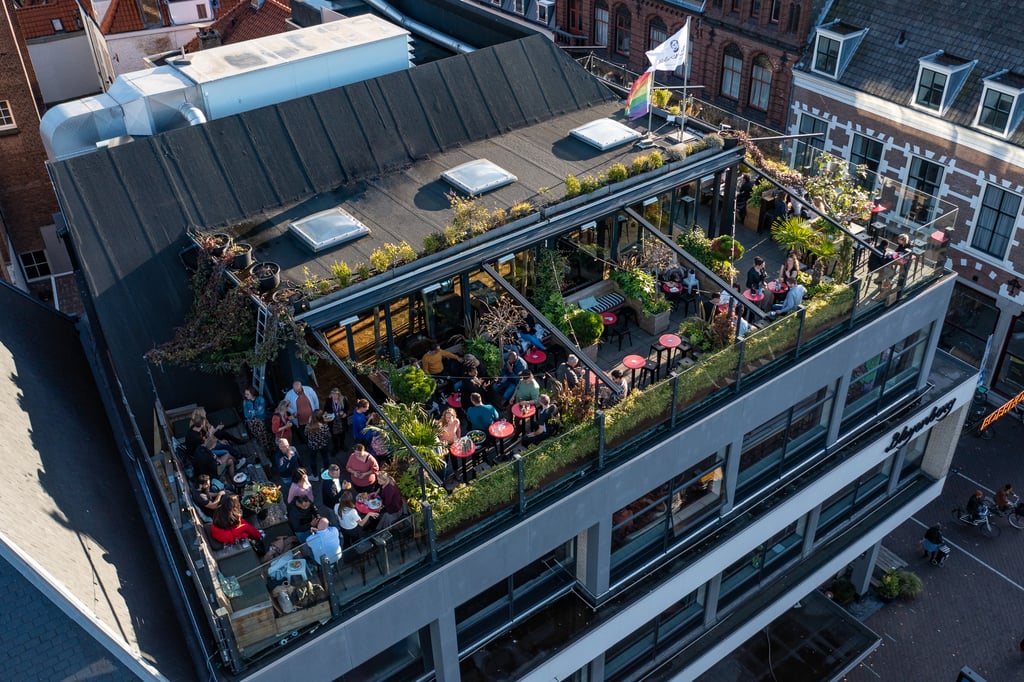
(26, 194)
(742, 51)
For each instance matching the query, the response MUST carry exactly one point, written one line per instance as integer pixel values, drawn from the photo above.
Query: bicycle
(1014, 512)
(973, 423)
(982, 523)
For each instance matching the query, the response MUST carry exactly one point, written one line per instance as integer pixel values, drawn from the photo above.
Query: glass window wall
(761, 563)
(1011, 368)
(970, 320)
(881, 378)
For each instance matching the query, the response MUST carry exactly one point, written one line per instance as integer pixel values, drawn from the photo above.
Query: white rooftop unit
(327, 229)
(479, 176)
(605, 134)
(228, 80)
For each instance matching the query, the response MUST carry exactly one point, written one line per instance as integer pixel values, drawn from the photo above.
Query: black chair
(688, 301)
(619, 331)
(651, 371)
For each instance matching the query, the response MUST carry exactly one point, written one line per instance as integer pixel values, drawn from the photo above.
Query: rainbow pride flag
(639, 101)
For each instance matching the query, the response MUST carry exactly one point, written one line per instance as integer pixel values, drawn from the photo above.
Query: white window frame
(839, 51)
(929, 63)
(57, 25)
(39, 260)
(519, 7)
(991, 87)
(601, 27)
(544, 10)
(7, 121)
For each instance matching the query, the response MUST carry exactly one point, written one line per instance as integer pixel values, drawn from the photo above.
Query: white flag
(671, 54)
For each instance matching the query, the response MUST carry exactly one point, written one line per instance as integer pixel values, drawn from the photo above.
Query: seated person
(1005, 498)
(207, 461)
(205, 497)
(200, 430)
(569, 373)
(439, 362)
(528, 389)
(710, 305)
(229, 527)
(302, 515)
(510, 371)
(392, 505)
(286, 461)
(976, 507)
(324, 541)
(479, 415)
(609, 397)
(794, 297)
(353, 526)
(528, 336)
(756, 276)
(545, 413)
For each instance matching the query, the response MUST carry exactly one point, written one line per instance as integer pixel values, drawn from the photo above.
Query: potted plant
(890, 585)
(640, 289)
(241, 256)
(268, 276)
(910, 585)
(585, 327)
(217, 243)
(411, 385)
(290, 295)
(726, 248)
(843, 591)
(486, 352)
(757, 196)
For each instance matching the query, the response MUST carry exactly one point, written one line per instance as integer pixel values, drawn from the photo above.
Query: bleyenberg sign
(904, 435)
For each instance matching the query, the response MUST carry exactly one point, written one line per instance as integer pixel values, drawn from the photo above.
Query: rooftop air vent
(605, 134)
(477, 177)
(327, 229)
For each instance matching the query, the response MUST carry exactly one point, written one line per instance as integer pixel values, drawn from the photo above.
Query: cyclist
(975, 506)
(1005, 498)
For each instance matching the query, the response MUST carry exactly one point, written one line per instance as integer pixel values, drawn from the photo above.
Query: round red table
(671, 288)
(522, 411)
(363, 509)
(535, 356)
(501, 430)
(609, 318)
(753, 296)
(633, 363)
(464, 455)
(777, 289)
(455, 400)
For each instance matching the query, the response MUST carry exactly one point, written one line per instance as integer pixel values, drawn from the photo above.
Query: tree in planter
(411, 385)
(486, 352)
(726, 248)
(422, 432)
(585, 327)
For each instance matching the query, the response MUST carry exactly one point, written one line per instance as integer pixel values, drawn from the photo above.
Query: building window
(996, 222)
(807, 149)
(970, 320)
(57, 24)
(575, 18)
(866, 153)
(735, 7)
(544, 11)
(930, 87)
(1011, 369)
(35, 265)
(761, 83)
(996, 107)
(773, 15)
(201, 11)
(793, 25)
(762, 562)
(732, 72)
(826, 55)
(656, 635)
(622, 29)
(923, 181)
(519, 6)
(755, 8)
(879, 379)
(852, 501)
(601, 25)
(782, 439)
(6, 116)
(913, 453)
(657, 33)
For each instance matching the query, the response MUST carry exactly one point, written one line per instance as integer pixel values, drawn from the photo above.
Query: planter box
(591, 351)
(655, 324)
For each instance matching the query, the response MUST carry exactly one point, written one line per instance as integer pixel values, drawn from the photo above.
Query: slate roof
(35, 17)
(986, 31)
(128, 207)
(238, 21)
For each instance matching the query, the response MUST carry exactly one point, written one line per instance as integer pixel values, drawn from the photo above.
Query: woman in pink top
(300, 487)
(362, 469)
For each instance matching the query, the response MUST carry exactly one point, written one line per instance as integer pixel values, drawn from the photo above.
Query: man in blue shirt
(794, 297)
(510, 371)
(479, 415)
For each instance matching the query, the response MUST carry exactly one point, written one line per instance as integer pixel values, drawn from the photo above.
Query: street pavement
(972, 610)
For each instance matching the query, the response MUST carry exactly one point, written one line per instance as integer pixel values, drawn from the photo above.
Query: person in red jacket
(228, 525)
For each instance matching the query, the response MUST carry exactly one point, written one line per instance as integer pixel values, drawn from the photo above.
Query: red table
(523, 411)
(753, 296)
(455, 400)
(777, 289)
(667, 342)
(535, 356)
(362, 507)
(609, 318)
(633, 363)
(464, 455)
(671, 288)
(501, 430)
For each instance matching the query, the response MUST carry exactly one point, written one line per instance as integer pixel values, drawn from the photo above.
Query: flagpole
(650, 107)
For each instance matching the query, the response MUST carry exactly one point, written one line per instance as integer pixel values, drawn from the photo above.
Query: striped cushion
(605, 303)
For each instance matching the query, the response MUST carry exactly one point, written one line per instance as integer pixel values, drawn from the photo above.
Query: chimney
(209, 38)
(256, 4)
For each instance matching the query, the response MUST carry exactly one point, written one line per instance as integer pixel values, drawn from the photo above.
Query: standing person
(352, 525)
(362, 469)
(300, 486)
(756, 276)
(933, 542)
(281, 421)
(303, 402)
(318, 435)
(337, 406)
(438, 362)
(332, 486)
(254, 408)
(359, 419)
(286, 461)
(743, 196)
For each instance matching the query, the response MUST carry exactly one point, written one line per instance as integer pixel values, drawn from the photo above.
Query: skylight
(327, 229)
(477, 177)
(605, 134)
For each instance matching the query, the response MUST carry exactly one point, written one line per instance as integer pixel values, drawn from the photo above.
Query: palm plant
(422, 432)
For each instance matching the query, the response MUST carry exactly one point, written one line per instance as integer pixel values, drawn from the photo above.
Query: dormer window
(834, 45)
(1000, 111)
(939, 79)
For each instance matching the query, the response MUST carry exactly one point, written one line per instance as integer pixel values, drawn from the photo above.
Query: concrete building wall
(67, 67)
(129, 50)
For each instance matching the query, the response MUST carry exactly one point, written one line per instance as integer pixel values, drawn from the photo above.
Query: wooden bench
(605, 294)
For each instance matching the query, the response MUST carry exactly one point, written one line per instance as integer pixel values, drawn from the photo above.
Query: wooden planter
(655, 324)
